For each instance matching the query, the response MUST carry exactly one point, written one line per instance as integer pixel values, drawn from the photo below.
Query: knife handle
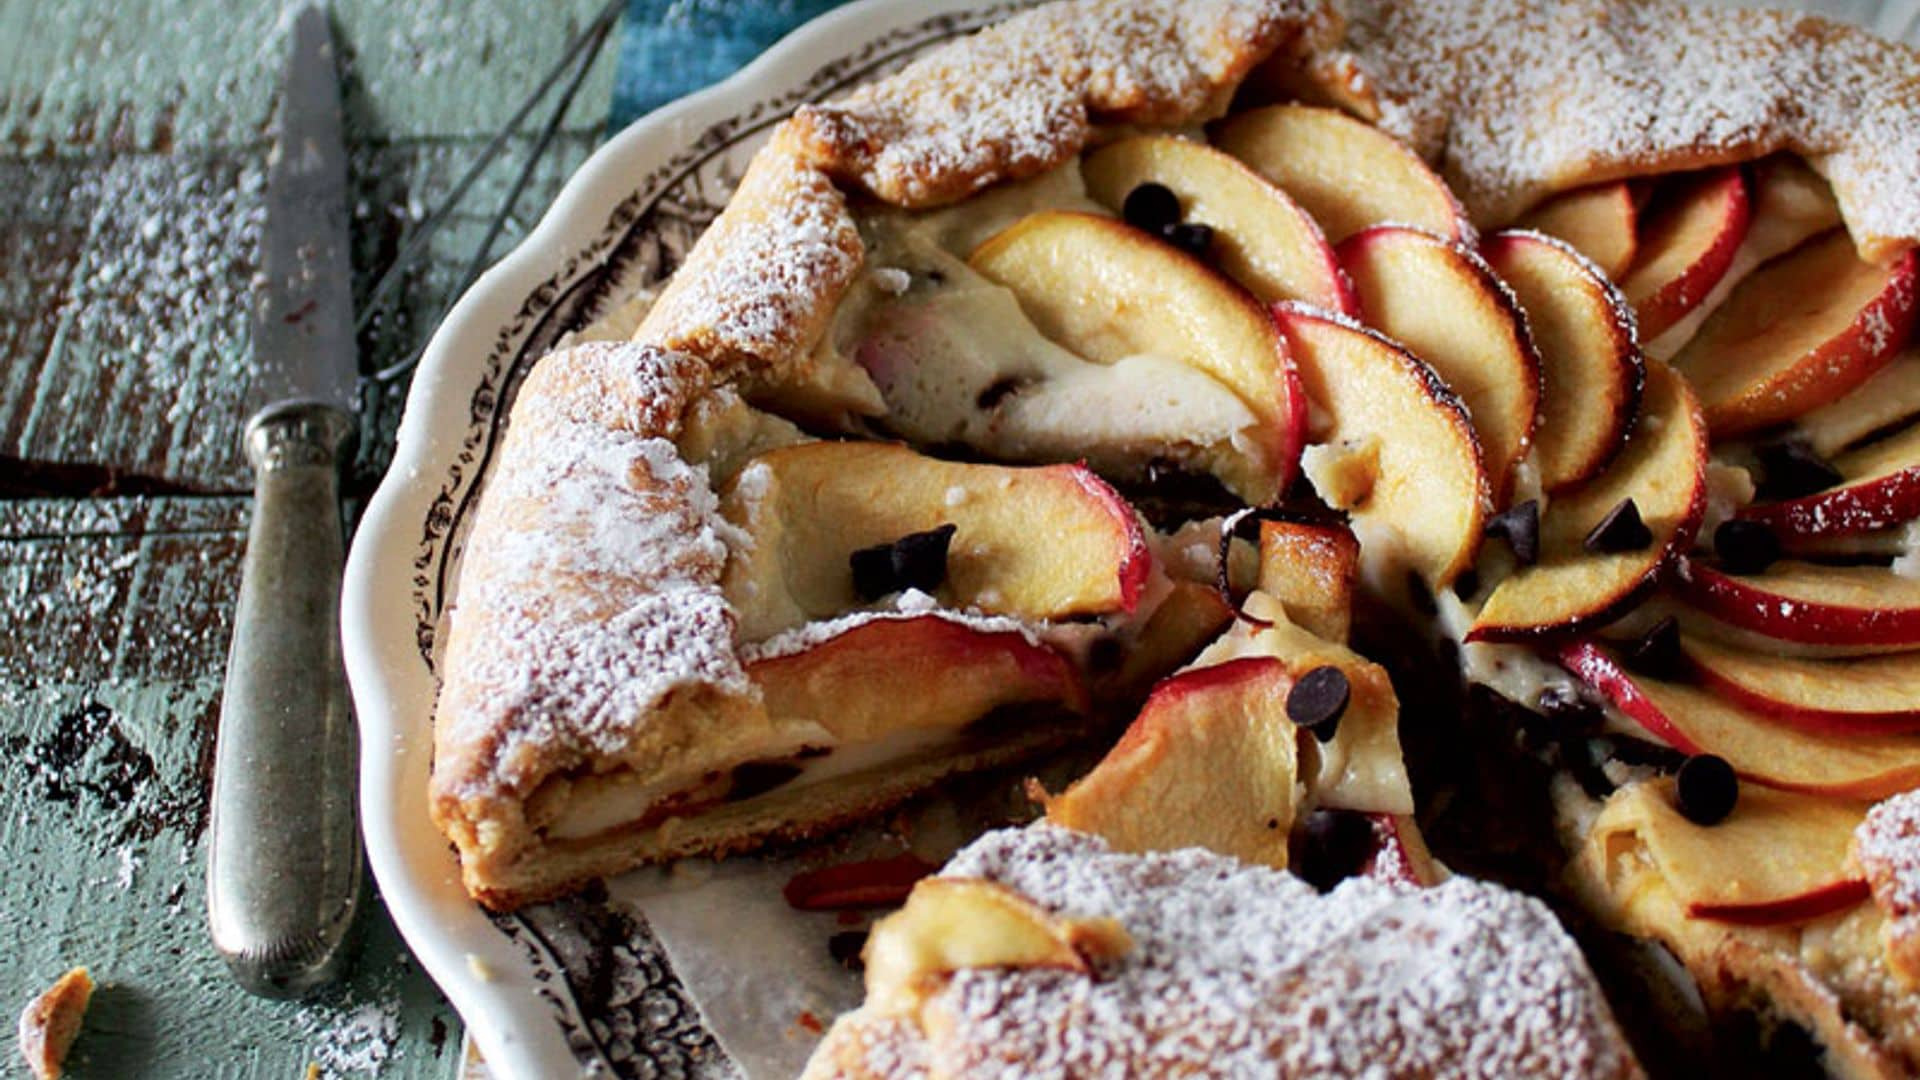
(284, 862)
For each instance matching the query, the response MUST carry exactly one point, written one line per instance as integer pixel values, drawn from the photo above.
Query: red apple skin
(1824, 721)
(945, 642)
(1877, 504)
(1394, 860)
(1138, 562)
(1836, 896)
(1671, 302)
(1600, 671)
(1741, 602)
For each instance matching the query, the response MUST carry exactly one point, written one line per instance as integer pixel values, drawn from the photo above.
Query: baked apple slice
(1803, 603)
(1399, 452)
(1889, 397)
(1780, 857)
(851, 682)
(1801, 331)
(1443, 303)
(1210, 762)
(1109, 292)
(1348, 174)
(1598, 221)
(1879, 486)
(1310, 569)
(1578, 584)
(1191, 615)
(1787, 204)
(1694, 720)
(1591, 370)
(1261, 237)
(1688, 235)
(1843, 696)
(806, 510)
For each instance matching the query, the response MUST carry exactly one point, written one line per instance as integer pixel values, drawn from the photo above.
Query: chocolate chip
(1791, 469)
(1621, 530)
(1658, 652)
(1745, 547)
(915, 561)
(1519, 526)
(845, 948)
(1333, 845)
(1151, 206)
(872, 571)
(1568, 710)
(1706, 789)
(1467, 583)
(1193, 239)
(1587, 760)
(1317, 701)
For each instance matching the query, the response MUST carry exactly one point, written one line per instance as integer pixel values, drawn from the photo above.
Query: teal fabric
(670, 48)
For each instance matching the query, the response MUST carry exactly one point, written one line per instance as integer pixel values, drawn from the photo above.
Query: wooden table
(132, 145)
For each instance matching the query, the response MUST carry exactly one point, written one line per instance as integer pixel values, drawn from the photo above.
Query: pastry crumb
(52, 1021)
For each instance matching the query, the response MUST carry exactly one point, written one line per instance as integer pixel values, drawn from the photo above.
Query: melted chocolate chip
(1331, 846)
(1568, 710)
(1791, 469)
(1318, 700)
(1745, 547)
(1706, 789)
(759, 777)
(1419, 595)
(845, 948)
(1467, 584)
(1621, 530)
(1658, 652)
(915, 561)
(1519, 526)
(1195, 240)
(1587, 760)
(1151, 206)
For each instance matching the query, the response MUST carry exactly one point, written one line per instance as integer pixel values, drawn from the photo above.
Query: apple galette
(1150, 365)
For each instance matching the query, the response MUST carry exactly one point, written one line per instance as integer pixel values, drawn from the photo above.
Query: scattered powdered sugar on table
(357, 1041)
(1244, 971)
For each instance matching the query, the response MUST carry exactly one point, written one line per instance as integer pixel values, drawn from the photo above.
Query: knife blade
(284, 863)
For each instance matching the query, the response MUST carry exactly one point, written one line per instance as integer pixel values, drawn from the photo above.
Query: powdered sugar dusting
(1887, 845)
(801, 638)
(1517, 99)
(1017, 99)
(593, 587)
(1245, 971)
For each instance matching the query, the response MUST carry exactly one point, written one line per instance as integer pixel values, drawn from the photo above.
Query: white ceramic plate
(561, 989)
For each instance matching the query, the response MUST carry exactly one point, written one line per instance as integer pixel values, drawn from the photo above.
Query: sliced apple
(1888, 397)
(1664, 471)
(1349, 175)
(1780, 857)
(806, 509)
(1362, 768)
(1804, 329)
(1688, 236)
(1787, 203)
(1191, 615)
(1311, 569)
(1261, 237)
(852, 683)
(1416, 488)
(1109, 291)
(952, 924)
(1598, 221)
(1845, 696)
(1402, 855)
(1811, 604)
(1210, 762)
(1446, 306)
(1879, 487)
(1694, 720)
(1592, 374)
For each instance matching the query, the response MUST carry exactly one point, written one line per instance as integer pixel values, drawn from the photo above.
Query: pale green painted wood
(131, 139)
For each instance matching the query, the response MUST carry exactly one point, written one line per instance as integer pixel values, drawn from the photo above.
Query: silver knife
(284, 863)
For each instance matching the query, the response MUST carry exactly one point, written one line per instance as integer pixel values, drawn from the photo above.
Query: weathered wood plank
(109, 699)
